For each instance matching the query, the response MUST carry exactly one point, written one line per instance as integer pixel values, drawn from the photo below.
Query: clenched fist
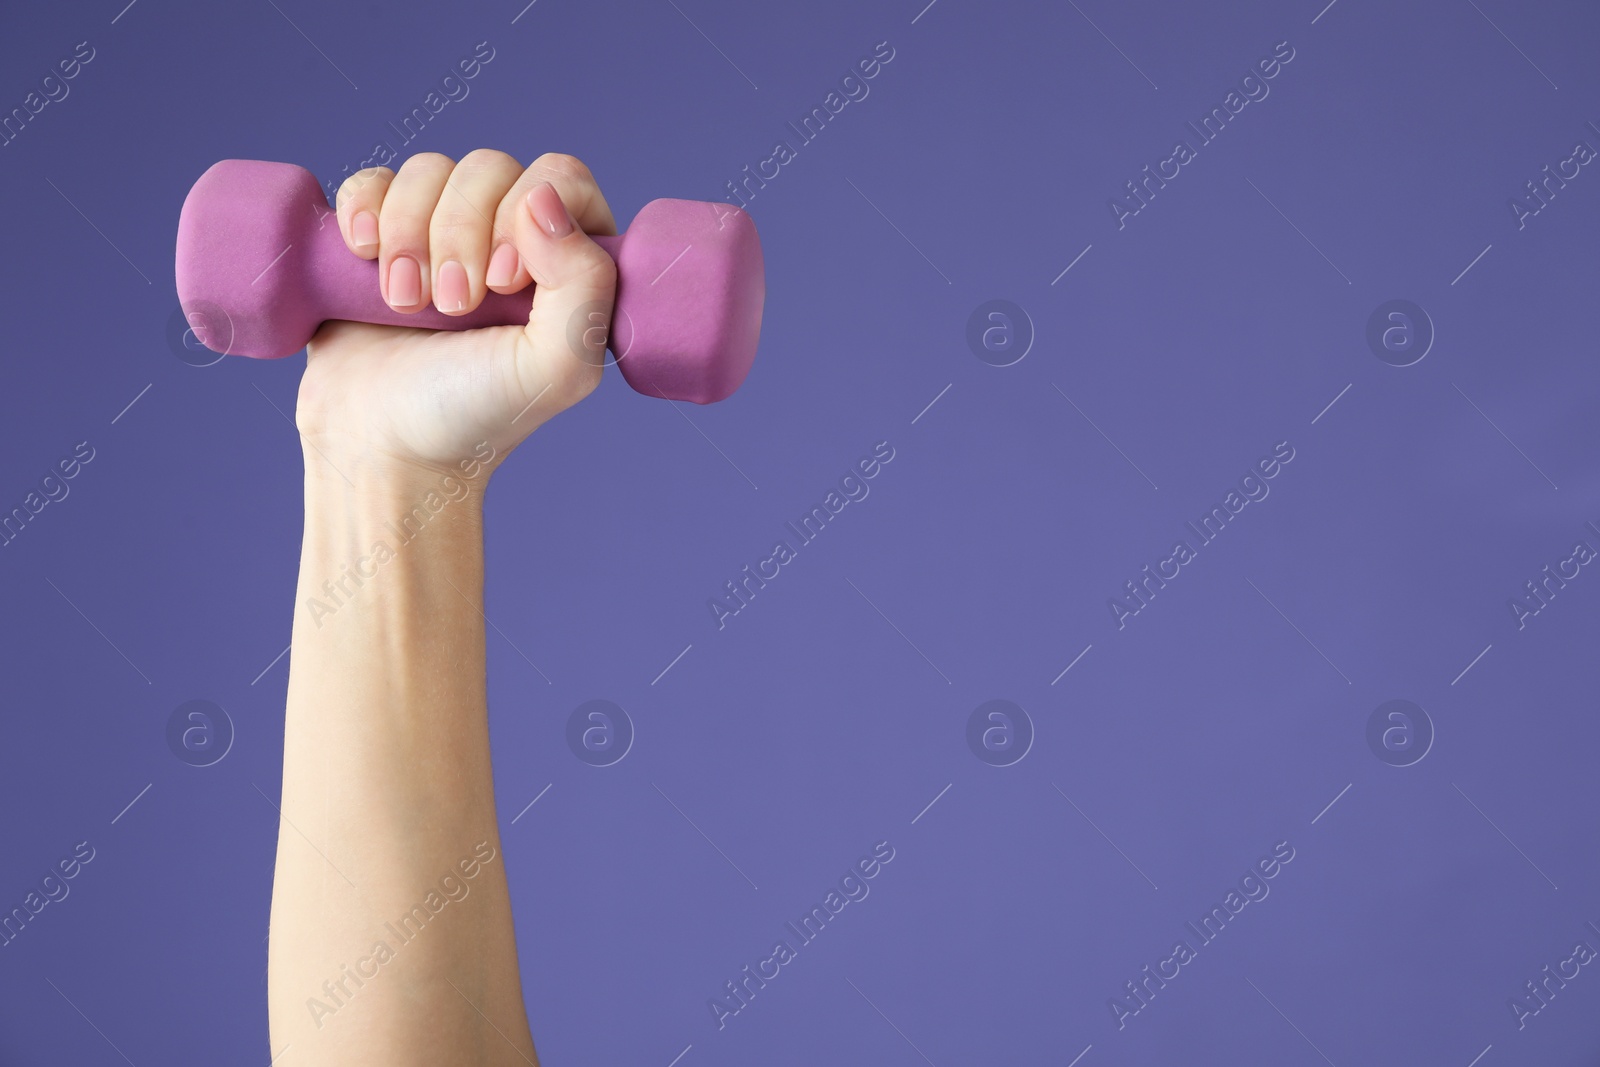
(445, 232)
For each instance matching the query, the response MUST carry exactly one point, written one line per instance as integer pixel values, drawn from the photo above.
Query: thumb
(562, 350)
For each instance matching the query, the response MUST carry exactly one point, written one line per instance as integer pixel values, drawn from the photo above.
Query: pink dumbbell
(261, 265)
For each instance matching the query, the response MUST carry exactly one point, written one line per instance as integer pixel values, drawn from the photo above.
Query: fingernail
(451, 294)
(405, 282)
(502, 265)
(364, 229)
(548, 210)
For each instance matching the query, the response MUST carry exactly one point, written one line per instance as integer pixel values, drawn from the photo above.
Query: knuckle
(404, 221)
(596, 268)
(488, 160)
(403, 231)
(362, 186)
(428, 162)
(562, 165)
(454, 227)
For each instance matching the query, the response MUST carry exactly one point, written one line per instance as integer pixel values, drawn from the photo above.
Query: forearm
(383, 948)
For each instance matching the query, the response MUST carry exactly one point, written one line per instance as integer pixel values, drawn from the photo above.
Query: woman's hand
(386, 760)
(446, 232)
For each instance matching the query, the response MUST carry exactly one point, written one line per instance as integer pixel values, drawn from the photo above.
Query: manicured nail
(364, 229)
(502, 265)
(405, 282)
(451, 295)
(548, 210)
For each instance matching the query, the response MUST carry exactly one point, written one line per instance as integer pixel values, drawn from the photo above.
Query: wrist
(360, 504)
(391, 543)
(375, 482)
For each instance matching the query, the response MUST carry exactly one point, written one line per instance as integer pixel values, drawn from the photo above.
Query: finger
(403, 275)
(359, 198)
(564, 346)
(460, 231)
(578, 191)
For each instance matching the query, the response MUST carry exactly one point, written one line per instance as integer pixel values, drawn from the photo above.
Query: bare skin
(389, 836)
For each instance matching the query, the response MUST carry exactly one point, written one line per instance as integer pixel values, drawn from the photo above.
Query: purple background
(1223, 718)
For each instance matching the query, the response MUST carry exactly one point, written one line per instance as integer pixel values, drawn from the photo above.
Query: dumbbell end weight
(261, 264)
